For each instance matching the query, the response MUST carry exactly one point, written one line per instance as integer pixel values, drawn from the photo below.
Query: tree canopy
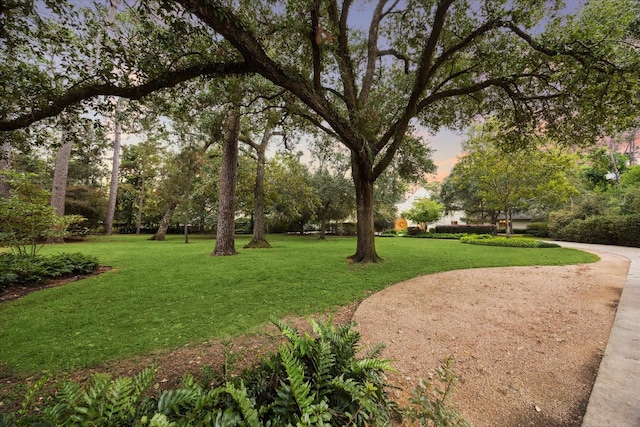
(490, 180)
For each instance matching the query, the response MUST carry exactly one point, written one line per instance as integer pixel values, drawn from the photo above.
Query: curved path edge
(615, 398)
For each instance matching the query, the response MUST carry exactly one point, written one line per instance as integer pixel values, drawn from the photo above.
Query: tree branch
(372, 51)
(89, 91)
(393, 52)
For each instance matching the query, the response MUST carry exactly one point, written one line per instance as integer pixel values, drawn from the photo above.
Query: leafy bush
(467, 229)
(25, 269)
(388, 233)
(513, 242)
(621, 230)
(445, 236)
(27, 220)
(310, 381)
(538, 229)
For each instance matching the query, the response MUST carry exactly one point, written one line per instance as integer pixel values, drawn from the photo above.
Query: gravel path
(526, 342)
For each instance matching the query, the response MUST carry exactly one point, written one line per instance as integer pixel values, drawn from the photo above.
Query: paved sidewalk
(615, 399)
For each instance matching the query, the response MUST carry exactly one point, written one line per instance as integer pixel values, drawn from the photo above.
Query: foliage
(431, 404)
(513, 242)
(335, 196)
(444, 236)
(467, 229)
(621, 230)
(18, 269)
(86, 201)
(604, 168)
(538, 229)
(290, 194)
(27, 220)
(424, 211)
(310, 381)
(496, 176)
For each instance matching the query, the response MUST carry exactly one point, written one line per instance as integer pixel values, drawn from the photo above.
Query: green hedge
(467, 229)
(622, 230)
(538, 229)
(513, 242)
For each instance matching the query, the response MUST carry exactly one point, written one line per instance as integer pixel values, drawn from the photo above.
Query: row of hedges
(467, 229)
(621, 230)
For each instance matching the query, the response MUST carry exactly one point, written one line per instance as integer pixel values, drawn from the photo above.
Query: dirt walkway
(526, 341)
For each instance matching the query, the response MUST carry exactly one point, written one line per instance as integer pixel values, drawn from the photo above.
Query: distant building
(452, 218)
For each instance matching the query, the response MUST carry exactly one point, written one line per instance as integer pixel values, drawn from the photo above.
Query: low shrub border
(512, 242)
(32, 270)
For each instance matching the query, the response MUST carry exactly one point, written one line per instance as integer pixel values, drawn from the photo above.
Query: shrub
(538, 229)
(446, 236)
(310, 381)
(27, 220)
(26, 270)
(629, 230)
(603, 229)
(467, 229)
(507, 242)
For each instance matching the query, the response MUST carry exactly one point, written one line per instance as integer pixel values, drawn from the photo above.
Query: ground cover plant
(319, 379)
(162, 295)
(31, 270)
(511, 242)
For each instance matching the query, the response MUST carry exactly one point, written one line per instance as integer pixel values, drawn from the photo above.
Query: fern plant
(323, 382)
(117, 402)
(312, 381)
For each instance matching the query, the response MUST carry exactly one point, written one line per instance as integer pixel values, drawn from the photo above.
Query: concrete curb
(615, 398)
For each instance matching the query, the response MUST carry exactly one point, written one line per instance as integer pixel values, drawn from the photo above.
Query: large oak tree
(436, 63)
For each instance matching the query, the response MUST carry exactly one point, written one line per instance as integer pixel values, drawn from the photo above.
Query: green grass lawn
(162, 295)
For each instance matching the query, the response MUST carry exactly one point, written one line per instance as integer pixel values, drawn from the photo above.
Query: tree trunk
(225, 235)
(59, 190)
(113, 188)
(259, 239)
(323, 226)
(363, 182)
(5, 162)
(161, 234)
(140, 204)
(187, 208)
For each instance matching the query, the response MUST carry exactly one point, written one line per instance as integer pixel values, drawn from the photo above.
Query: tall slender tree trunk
(140, 204)
(113, 187)
(259, 239)
(161, 234)
(187, 208)
(323, 227)
(363, 182)
(5, 162)
(59, 190)
(225, 235)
